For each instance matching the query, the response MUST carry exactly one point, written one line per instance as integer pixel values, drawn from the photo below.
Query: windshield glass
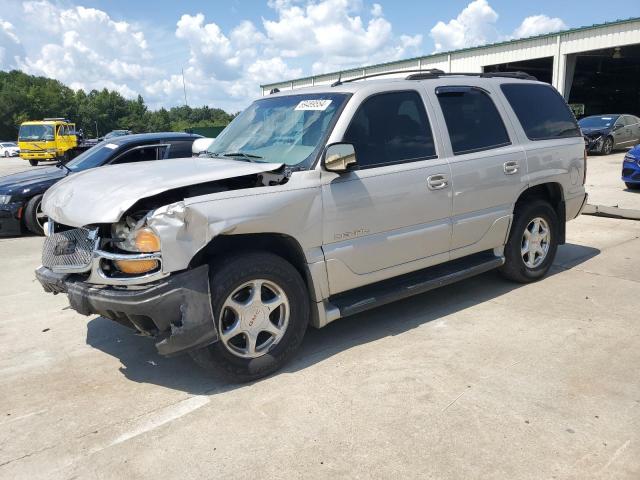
(289, 129)
(94, 157)
(35, 132)
(597, 122)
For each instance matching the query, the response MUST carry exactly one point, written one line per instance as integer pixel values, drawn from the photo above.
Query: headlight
(134, 236)
(4, 199)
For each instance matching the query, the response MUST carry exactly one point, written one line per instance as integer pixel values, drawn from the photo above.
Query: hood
(25, 182)
(591, 131)
(102, 195)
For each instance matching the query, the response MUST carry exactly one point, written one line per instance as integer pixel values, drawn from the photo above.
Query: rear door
(392, 214)
(487, 167)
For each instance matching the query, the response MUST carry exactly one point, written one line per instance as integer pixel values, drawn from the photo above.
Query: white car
(9, 149)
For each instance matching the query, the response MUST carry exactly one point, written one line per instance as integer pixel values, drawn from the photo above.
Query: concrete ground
(483, 379)
(605, 186)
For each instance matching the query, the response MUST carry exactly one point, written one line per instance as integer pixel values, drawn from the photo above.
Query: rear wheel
(261, 308)
(532, 244)
(33, 163)
(632, 186)
(34, 217)
(6, 154)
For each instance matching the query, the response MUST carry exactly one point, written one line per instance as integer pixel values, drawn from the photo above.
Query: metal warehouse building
(596, 68)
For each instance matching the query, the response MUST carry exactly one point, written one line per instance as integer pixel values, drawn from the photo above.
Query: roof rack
(426, 74)
(55, 119)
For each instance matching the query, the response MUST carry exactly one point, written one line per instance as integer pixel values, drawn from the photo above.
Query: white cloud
(537, 25)
(88, 48)
(475, 25)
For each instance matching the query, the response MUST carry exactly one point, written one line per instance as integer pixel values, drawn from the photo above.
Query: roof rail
(55, 119)
(430, 73)
(364, 77)
(427, 75)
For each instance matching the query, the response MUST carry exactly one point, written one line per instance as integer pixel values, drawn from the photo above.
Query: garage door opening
(541, 68)
(605, 81)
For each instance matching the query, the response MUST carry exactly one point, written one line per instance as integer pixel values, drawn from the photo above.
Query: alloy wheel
(254, 318)
(535, 242)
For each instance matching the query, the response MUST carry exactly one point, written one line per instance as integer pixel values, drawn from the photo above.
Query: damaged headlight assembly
(135, 237)
(4, 199)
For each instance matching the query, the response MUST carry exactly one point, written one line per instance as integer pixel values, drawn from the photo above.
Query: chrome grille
(69, 251)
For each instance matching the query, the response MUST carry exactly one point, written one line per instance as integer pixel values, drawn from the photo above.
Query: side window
(180, 149)
(541, 110)
(138, 154)
(472, 119)
(391, 128)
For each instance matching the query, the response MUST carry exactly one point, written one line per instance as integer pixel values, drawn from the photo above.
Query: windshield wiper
(240, 154)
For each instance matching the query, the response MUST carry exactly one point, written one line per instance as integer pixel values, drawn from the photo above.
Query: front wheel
(6, 154)
(607, 146)
(532, 244)
(33, 163)
(34, 217)
(261, 308)
(632, 186)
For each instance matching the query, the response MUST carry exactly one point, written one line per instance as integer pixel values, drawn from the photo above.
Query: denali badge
(347, 235)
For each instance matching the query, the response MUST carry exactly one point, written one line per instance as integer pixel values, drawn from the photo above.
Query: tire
(632, 186)
(33, 163)
(607, 146)
(6, 154)
(516, 267)
(227, 281)
(32, 216)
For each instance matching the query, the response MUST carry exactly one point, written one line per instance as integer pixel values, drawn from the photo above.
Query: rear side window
(541, 110)
(472, 119)
(391, 128)
(180, 149)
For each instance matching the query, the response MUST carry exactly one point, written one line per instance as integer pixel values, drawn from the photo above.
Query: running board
(415, 283)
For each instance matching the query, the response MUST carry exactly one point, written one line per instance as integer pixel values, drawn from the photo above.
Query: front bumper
(176, 311)
(594, 144)
(630, 172)
(10, 219)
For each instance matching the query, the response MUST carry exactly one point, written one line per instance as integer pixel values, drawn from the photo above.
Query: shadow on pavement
(141, 362)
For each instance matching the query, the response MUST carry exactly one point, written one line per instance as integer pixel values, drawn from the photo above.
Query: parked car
(21, 193)
(605, 133)
(116, 133)
(9, 149)
(631, 169)
(317, 204)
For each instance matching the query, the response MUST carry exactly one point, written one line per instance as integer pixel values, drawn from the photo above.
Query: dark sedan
(605, 133)
(21, 193)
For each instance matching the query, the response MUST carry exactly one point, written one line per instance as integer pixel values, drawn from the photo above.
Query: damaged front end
(87, 264)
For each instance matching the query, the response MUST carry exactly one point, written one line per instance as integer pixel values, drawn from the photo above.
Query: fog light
(136, 266)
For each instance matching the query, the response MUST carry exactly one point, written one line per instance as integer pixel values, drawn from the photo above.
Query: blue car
(631, 168)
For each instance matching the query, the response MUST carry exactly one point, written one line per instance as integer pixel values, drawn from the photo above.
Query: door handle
(437, 182)
(510, 168)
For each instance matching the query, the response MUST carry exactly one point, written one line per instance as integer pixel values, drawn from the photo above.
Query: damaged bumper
(176, 310)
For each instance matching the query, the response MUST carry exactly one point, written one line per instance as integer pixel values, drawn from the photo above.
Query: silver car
(316, 204)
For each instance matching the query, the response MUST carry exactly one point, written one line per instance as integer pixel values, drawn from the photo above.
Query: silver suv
(316, 204)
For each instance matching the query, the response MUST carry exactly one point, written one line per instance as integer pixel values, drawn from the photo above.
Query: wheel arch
(282, 245)
(553, 193)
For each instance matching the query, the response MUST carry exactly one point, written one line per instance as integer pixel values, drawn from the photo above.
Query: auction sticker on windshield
(313, 105)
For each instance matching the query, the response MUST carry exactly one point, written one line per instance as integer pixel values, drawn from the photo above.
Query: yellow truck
(49, 139)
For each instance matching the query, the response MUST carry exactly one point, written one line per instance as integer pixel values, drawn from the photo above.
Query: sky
(226, 49)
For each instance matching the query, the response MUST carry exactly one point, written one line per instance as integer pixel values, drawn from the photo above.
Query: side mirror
(340, 157)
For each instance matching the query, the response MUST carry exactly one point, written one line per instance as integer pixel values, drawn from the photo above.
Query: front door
(392, 214)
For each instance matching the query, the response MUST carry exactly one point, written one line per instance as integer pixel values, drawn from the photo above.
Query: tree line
(28, 97)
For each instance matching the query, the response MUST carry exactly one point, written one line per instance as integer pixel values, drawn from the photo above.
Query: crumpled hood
(102, 195)
(18, 182)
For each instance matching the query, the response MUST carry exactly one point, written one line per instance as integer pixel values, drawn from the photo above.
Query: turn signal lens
(136, 266)
(147, 241)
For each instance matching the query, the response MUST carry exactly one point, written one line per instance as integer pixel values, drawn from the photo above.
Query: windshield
(597, 122)
(94, 157)
(35, 132)
(289, 129)
(115, 133)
